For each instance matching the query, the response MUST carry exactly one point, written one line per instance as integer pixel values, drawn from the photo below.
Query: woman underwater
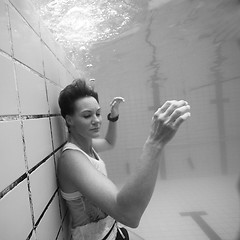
(95, 204)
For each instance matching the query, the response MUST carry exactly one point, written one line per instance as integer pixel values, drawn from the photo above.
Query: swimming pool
(148, 53)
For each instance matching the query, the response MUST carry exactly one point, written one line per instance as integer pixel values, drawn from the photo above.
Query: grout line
(15, 60)
(30, 235)
(5, 54)
(46, 45)
(59, 230)
(12, 185)
(39, 35)
(14, 117)
(9, 117)
(41, 216)
(45, 159)
(23, 18)
(21, 122)
(24, 176)
(45, 209)
(42, 40)
(51, 131)
(25, 117)
(34, 71)
(62, 221)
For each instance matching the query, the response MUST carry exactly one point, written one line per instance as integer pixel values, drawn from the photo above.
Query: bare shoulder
(70, 157)
(69, 165)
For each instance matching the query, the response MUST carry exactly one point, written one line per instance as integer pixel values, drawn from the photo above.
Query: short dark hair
(72, 92)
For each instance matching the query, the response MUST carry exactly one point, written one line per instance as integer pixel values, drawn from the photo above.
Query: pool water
(150, 52)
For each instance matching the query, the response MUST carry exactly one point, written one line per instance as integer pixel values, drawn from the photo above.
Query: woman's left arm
(107, 143)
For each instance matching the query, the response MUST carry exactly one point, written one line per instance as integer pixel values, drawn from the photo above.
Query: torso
(87, 220)
(64, 183)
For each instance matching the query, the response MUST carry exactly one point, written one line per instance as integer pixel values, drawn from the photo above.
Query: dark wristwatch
(112, 119)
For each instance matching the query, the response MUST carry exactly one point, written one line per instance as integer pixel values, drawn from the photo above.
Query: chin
(96, 135)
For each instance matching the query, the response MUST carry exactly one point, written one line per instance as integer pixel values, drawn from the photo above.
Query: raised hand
(166, 121)
(115, 106)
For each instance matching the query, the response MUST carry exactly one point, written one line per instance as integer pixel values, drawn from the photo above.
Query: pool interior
(186, 49)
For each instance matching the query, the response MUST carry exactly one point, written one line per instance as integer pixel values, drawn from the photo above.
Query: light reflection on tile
(26, 44)
(5, 37)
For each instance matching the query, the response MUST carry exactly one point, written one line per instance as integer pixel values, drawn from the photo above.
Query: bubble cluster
(78, 24)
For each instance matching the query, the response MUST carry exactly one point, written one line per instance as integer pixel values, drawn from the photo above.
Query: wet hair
(71, 93)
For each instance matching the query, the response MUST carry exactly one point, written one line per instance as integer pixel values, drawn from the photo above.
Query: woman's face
(86, 120)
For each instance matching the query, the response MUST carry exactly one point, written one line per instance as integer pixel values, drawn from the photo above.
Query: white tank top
(88, 222)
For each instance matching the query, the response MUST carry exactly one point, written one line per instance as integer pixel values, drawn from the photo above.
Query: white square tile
(65, 78)
(38, 140)
(50, 223)
(8, 94)
(26, 43)
(5, 36)
(49, 40)
(63, 75)
(71, 68)
(53, 94)
(32, 92)
(28, 11)
(61, 53)
(47, 37)
(42, 192)
(50, 65)
(59, 131)
(15, 217)
(12, 156)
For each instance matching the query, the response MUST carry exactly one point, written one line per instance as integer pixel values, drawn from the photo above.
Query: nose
(95, 120)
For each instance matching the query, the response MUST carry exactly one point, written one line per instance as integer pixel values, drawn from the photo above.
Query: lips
(95, 129)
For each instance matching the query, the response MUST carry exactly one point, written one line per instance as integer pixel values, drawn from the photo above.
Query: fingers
(178, 112)
(162, 109)
(165, 106)
(181, 119)
(172, 111)
(117, 100)
(168, 108)
(167, 119)
(175, 105)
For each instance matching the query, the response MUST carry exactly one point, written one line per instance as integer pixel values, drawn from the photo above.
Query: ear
(69, 120)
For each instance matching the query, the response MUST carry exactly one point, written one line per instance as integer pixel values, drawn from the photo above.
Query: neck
(84, 143)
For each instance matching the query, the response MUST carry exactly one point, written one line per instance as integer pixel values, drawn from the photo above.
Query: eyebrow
(88, 110)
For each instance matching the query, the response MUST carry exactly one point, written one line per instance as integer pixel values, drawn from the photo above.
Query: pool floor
(196, 209)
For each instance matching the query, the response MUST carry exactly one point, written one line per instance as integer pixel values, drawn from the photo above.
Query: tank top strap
(73, 146)
(98, 164)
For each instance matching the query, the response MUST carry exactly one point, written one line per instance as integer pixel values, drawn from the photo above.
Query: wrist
(112, 115)
(153, 144)
(152, 151)
(112, 118)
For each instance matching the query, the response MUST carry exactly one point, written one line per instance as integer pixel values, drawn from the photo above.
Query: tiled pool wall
(33, 70)
(154, 65)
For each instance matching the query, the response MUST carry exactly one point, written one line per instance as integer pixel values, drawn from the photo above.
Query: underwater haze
(151, 52)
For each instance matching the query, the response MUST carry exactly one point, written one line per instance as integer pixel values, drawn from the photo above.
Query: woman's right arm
(127, 204)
